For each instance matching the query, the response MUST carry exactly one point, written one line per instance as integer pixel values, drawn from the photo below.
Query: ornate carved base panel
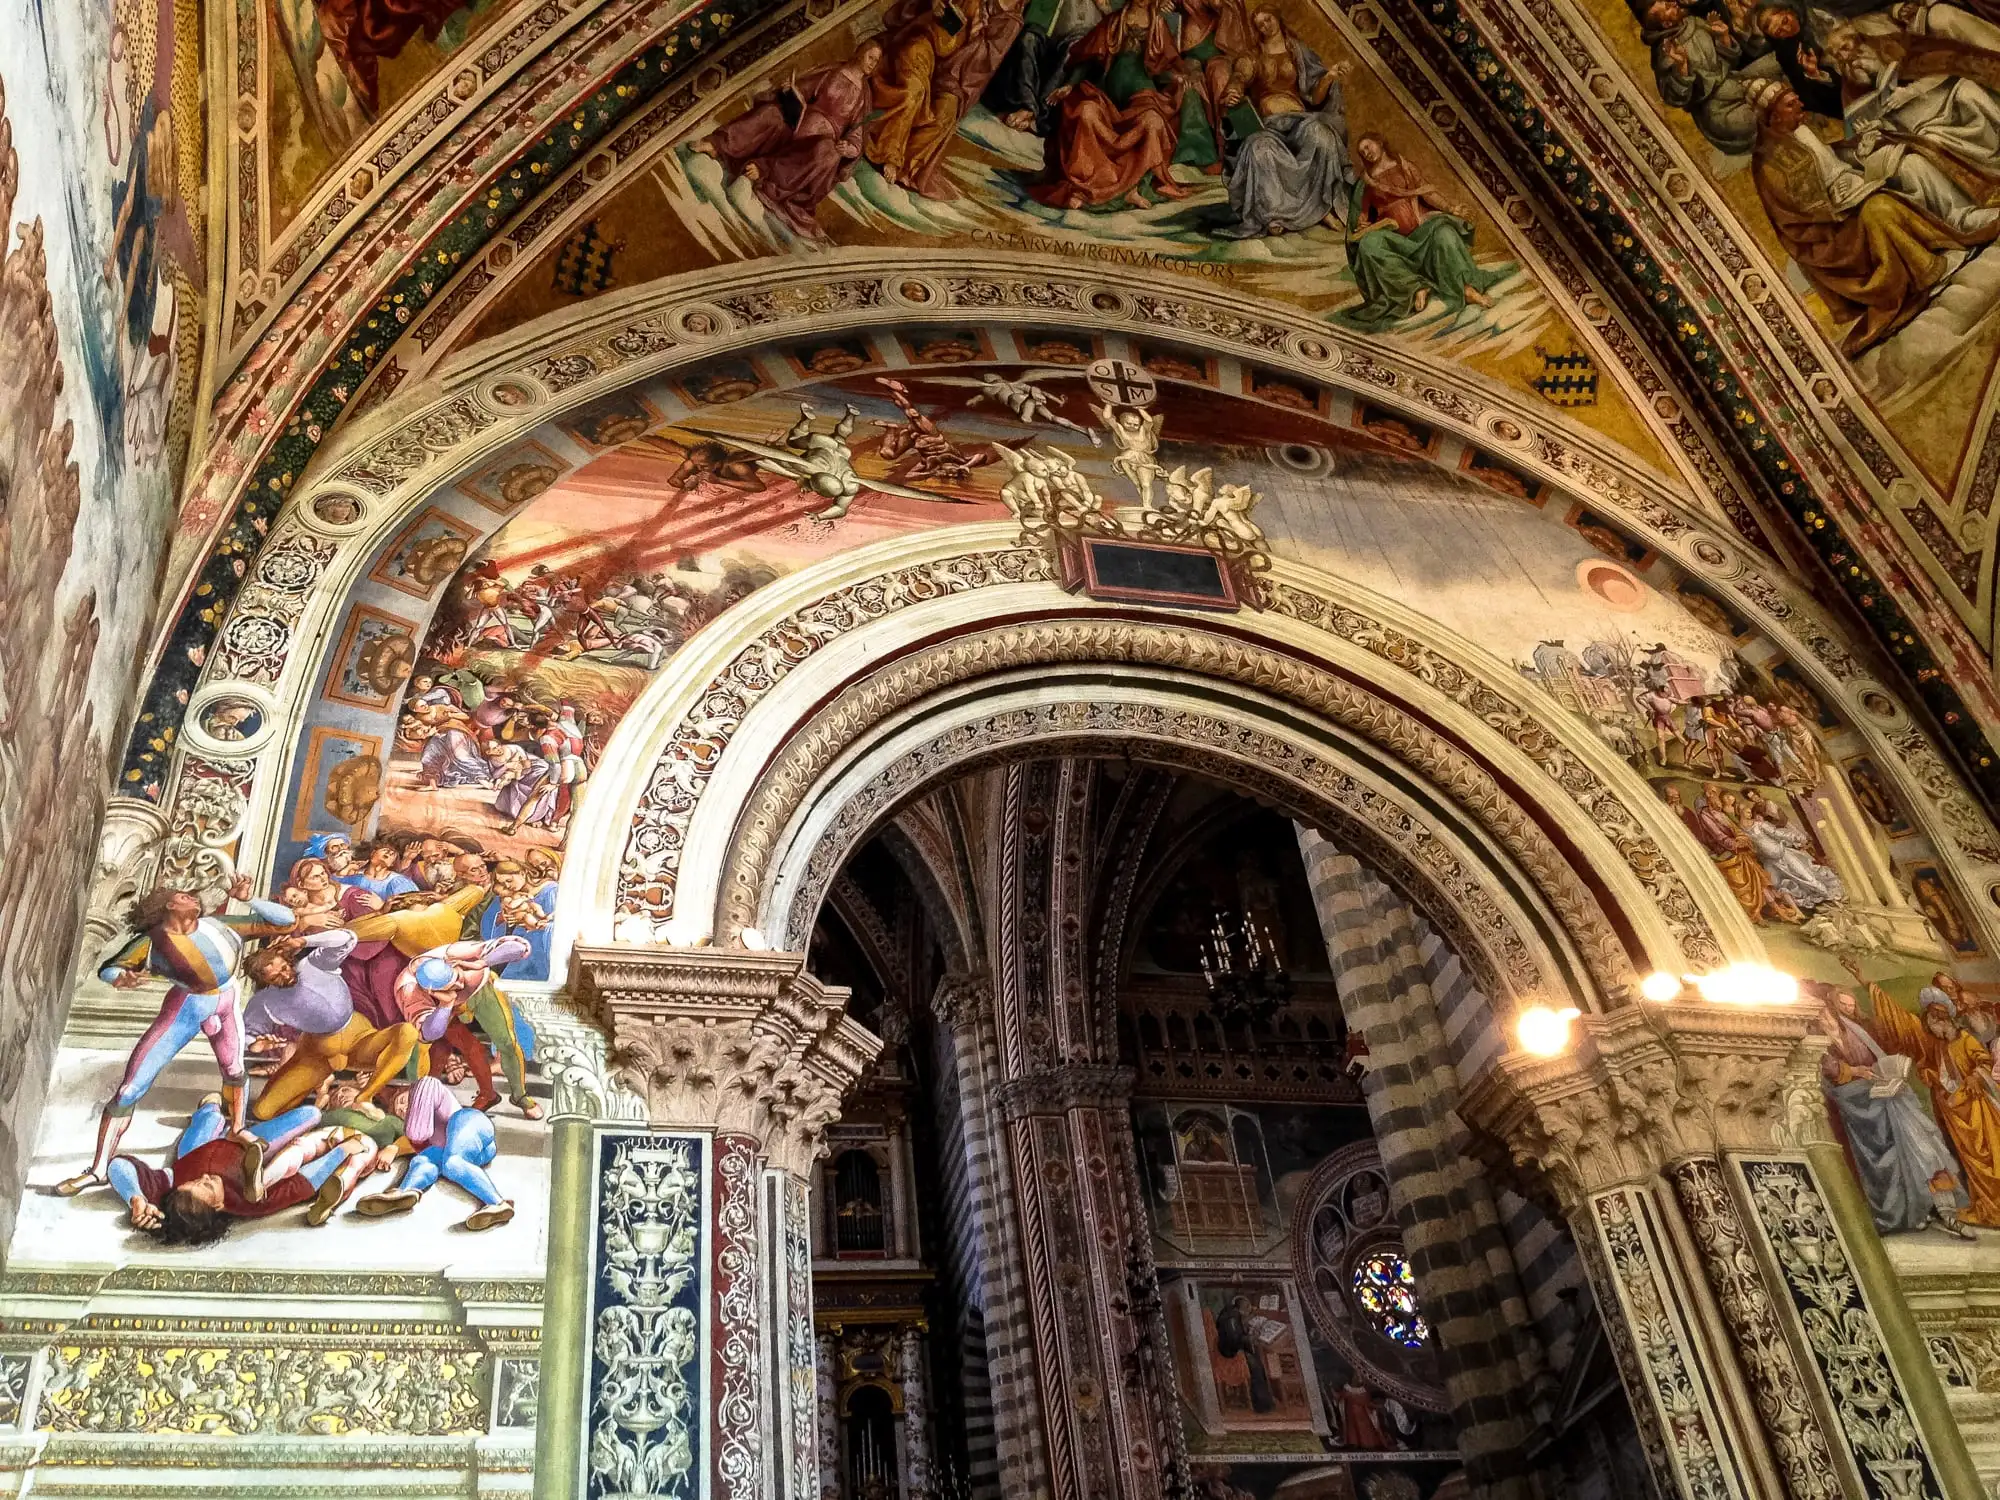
(1827, 1306)
(1662, 1366)
(429, 1387)
(1778, 1386)
(646, 1420)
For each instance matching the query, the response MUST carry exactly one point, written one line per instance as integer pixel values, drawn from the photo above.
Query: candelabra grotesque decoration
(1245, 972)
(648, 1329)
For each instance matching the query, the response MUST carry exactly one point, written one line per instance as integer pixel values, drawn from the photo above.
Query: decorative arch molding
(1490, 912)
(303, 574)
(1055, 652)
(385, 466)
(1395, 676)
(860, 652)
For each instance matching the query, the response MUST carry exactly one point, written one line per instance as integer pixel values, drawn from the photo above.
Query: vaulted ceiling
(402, 187)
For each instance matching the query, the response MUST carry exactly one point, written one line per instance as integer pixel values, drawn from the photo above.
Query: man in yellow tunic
(917, 120)
(1958, 1071)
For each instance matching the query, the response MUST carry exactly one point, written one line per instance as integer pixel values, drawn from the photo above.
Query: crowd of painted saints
(1133, 105)
(1873, 133)
(1924, 1161)
(348, 1019)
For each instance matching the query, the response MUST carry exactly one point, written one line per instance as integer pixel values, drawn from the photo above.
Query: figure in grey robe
(1907, 1171)
(1291, 170)
(1695, 59)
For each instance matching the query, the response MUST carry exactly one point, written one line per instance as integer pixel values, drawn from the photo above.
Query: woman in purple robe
(802, 140)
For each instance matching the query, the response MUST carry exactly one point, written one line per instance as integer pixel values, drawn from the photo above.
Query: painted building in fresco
(1177, 750)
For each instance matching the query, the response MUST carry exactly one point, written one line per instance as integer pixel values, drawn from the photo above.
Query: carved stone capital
(962, 999)
(746, 1043)
(1645, 1086)
(128, 850)
(1058, 1090)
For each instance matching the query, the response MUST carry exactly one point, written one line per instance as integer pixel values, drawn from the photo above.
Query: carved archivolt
(1403, 844)
(810, 753)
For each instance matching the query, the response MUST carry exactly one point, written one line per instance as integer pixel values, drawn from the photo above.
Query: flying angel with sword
(1021, 397)
(820, 463)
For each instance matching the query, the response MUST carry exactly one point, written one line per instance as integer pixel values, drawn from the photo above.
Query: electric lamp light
(1660, 987)
(1543, 1031)
(1748, 984)
(753, 938)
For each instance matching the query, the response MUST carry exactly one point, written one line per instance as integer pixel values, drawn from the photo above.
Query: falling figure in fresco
(820, 462)
(938, 457)
(1138, 438)
(198, 953)
(216, 1178)
(826, 462)
(1026, 401)
(449, 1140)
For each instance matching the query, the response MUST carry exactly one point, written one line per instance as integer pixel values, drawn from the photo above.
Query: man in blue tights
(450, 1140)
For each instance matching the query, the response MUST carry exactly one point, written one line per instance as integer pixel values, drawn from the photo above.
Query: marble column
(916, 1416)
(1679, 1141)
(1069, 1130)
(691, 1334)
(964, 1008)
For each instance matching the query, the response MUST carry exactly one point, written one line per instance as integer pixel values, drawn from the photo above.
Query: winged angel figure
(1207, 514)
(1023, 397)
(1047, 492)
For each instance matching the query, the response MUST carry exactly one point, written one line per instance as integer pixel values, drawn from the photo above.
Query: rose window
(1385, 1291)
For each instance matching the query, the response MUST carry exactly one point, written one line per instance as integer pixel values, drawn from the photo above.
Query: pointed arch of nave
(1400, 985)
(481, 166)
(224, 801)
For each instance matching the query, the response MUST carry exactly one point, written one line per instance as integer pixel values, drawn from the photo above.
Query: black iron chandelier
(1245, 973)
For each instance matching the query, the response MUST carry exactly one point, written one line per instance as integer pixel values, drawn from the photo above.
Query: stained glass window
(1385, 1290)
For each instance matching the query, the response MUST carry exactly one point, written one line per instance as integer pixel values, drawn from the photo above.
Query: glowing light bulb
(1660, 988)
(1543, 1031)
(1748, 984)
(753, 938)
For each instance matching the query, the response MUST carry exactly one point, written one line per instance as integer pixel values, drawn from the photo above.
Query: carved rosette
(744, 1043)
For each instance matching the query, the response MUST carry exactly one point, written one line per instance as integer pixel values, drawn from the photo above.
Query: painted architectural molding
(508, 390)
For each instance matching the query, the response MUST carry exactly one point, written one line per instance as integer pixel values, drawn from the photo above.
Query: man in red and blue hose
(198, 953)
